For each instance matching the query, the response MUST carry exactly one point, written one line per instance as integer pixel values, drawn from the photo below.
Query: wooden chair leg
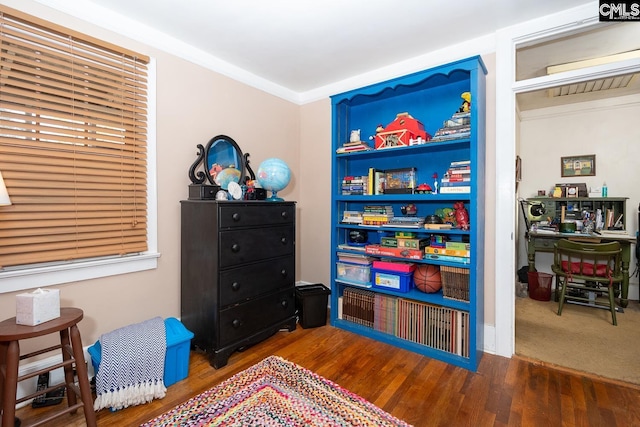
(563, 290)
(612, 305)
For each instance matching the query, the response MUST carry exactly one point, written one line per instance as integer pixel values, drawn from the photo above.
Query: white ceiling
(303, 45)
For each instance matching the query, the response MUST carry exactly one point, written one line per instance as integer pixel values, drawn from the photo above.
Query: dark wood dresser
(238, 273)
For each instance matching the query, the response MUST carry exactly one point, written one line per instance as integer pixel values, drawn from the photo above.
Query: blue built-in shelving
(432, 324)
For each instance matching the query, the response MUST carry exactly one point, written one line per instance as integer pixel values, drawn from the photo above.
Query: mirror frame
(233, 148)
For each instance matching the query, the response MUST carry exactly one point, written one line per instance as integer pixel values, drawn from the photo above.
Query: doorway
(581, 117)
(513, 47)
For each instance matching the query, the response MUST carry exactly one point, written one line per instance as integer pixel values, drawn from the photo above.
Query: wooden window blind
(73, 144)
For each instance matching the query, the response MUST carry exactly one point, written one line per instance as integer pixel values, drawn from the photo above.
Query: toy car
(424, 189)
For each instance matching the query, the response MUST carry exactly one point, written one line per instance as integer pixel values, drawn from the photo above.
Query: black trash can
(311, 303)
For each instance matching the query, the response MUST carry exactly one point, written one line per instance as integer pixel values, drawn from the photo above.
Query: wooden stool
(72, 353)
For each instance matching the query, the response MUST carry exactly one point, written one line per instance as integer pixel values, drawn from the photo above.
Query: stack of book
(457, 179)
(352, 217)
(354, 185)
(458, 126)
(377, 215)
(459, 252)
(352, 147)
(355, 258)
(406, 222)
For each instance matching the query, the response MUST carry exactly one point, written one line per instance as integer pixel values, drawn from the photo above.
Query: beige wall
(314, 219)
(193, 105)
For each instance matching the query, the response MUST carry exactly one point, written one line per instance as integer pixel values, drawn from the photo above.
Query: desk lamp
(4, 194)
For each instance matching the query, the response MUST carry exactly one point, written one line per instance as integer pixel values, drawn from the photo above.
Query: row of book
(457, 178)
(431, 325)
(371, 184)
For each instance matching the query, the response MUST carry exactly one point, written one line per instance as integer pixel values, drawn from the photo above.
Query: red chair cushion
(587, 268)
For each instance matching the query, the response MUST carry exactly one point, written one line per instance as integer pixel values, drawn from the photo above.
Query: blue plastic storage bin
(176, 359)
(391, 280)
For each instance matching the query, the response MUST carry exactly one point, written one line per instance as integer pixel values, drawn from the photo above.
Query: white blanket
(131, 369)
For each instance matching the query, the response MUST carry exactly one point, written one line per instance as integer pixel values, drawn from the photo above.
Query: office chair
(591, 268)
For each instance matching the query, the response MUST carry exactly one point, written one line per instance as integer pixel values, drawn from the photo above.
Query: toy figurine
(466, 103)
(435, 183)
(409, 210)
(355, 136)
(462, 215)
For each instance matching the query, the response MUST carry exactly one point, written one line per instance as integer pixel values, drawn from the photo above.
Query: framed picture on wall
(584, 165)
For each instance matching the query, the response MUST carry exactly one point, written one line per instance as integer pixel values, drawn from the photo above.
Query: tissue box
(39, 306)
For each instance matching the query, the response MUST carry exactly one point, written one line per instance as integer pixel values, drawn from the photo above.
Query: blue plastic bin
(391, 280)
(176, 359)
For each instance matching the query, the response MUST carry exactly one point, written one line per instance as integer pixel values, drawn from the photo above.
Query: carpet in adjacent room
(582, 339)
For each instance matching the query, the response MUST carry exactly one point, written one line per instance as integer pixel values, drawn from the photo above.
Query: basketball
(427, 278)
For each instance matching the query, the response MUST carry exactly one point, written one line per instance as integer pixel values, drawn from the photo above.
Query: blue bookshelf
(432, 324)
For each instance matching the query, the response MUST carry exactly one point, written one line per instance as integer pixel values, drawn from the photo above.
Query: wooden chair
(591, 268)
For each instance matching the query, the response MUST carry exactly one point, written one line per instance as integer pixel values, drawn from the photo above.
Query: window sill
(39, 277)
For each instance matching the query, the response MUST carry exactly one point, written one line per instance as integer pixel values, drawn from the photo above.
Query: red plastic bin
(540, 285)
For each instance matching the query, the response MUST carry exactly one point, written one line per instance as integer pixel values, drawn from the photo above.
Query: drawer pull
(283, 272)
(284, 303)
(235, 217)
(235, 248)
(236, 323)
(283, 240)
(235, 286)
(284, 215)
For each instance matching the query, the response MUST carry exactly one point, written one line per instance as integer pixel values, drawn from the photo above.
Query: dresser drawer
(248, 215)
(243, 320)
(241, 283)
(240, 246)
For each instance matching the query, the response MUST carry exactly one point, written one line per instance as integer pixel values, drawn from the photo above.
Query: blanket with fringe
(131, 367)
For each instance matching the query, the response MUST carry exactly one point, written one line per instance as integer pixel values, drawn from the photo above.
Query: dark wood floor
(419, 390)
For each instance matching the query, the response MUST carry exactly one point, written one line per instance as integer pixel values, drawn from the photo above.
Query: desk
(544, 241)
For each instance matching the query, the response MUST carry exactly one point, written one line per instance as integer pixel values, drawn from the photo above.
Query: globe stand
(274, 197)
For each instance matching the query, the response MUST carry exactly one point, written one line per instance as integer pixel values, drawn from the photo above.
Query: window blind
(72, 144)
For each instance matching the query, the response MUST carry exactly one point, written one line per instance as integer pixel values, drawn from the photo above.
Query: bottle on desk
(604, 189)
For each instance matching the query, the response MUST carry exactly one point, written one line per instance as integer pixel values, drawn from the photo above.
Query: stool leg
(68, 369)
(10, 359)
(4, 346)
(83, 377)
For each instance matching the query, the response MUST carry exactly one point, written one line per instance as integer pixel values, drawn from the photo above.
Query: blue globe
(273, 175)
(225, 176)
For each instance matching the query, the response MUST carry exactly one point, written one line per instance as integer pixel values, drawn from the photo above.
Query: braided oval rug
(276, 392)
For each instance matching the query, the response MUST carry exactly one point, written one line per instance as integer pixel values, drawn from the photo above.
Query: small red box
(398, 266)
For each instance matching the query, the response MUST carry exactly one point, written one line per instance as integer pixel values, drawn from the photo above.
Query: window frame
(21, 278)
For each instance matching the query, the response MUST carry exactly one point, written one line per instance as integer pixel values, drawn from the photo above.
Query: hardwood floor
(419, 390)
